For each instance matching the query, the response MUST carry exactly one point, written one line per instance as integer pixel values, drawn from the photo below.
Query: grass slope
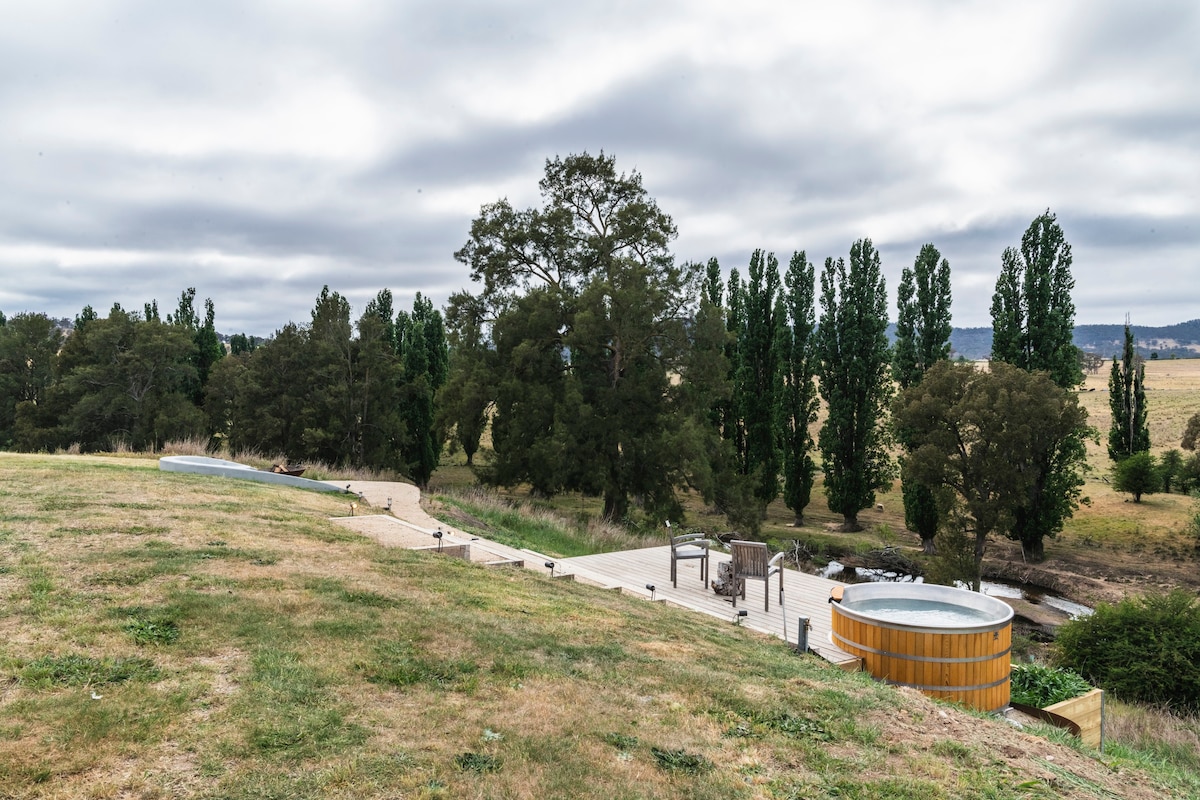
(167, 635)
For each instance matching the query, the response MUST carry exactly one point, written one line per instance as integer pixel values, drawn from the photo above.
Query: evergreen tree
(922, 339)
(755, 376)
(29, 345)
(424, 357)
(855, 383)
(711, 467)
(464, 400)
(1033, 315)
(380, 429)
(1129, 432)
(330, 390)
(593, 269)
(1033, 321)
(798, 402)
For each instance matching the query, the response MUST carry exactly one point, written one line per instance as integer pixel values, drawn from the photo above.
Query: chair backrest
(750, 559)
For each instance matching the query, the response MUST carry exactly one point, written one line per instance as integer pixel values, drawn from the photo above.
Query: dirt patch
(1091, 578)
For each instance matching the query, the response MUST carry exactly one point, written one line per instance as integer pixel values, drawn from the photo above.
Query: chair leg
(673, 578)
(704, 571)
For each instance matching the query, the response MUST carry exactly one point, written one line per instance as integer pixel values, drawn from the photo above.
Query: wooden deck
(803, 595)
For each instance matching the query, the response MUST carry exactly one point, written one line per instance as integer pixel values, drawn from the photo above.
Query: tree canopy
(922, 339)
(1129, 432)
(981, 437)
(855, 382)
(586, 309)
(1033, 322)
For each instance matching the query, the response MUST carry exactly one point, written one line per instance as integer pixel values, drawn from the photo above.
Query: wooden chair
(752, 560)
(686, 546)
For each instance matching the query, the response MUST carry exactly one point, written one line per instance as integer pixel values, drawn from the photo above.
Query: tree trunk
(1034, 552)
(616, 505)
(850, 524)
(929, 546)
(799, 521)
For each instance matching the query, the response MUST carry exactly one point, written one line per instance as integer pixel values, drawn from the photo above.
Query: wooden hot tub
(948, 643)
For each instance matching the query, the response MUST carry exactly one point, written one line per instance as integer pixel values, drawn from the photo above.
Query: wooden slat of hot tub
(904, 657)
(804, 595)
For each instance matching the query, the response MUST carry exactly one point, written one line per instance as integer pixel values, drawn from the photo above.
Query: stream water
(837, 571)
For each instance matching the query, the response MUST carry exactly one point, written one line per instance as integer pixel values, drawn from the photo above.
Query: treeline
(606, 368)
(335, 390)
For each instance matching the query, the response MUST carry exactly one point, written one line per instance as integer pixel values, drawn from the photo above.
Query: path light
(740, 615)
(389, 505)
(438, 535)
(550, 566)
(650, 586)
(353, 508)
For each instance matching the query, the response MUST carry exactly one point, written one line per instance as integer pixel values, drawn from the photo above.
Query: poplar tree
(1033, 324)
(1033, 315)
(798, 394)
(855, 383)
(1129, 432)
(756, 375)
(922, 339)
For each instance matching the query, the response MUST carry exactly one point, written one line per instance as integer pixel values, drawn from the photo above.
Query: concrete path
(391, 514)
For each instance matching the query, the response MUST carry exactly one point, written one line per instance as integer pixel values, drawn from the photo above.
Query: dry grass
(311, 663)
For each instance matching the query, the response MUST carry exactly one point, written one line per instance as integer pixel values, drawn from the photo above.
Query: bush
(1137, 474)
(1142, 649)
(1040, 686)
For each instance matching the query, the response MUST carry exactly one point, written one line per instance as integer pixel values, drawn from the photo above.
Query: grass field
(179, 636)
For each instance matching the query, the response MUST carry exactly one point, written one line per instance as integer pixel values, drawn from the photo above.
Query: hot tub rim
(922, 591)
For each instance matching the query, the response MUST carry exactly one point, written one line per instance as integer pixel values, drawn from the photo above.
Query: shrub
(1137, 474)
(1142, 649)
(1040, 686)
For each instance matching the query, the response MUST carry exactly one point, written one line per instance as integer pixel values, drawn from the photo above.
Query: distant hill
(1181, 340)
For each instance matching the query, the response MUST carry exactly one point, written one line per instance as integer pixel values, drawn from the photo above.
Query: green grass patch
(399, 664)
(74, 669)
(680, 761)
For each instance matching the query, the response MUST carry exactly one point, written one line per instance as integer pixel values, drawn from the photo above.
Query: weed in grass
(477, 762)
(680, 761)
(955, 751)
(621, 741)
(153, 631)
(78, 670)
(398, 664)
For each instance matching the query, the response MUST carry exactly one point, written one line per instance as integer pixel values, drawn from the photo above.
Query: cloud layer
(260, 150)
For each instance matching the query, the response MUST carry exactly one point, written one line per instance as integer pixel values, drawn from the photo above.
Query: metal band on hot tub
(839, 640)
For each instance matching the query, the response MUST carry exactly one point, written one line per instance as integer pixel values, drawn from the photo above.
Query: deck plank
(804, 595)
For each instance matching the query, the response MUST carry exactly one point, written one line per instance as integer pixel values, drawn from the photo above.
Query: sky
(258, 150)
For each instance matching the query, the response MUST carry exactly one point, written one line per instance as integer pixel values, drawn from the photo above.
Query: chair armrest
(775, 559)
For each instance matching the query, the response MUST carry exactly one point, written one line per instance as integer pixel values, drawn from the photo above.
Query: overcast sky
(260, 149)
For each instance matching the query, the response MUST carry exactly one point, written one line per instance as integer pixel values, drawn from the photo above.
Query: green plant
(1143, 649)
(77, 670)
(477, 762)
(680, 761)
(1040, 686)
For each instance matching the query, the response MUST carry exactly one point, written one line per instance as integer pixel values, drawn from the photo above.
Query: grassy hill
(168, 635)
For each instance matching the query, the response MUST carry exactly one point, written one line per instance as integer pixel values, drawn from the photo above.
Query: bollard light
(438, 535)
(550, 566)
(650, 586)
